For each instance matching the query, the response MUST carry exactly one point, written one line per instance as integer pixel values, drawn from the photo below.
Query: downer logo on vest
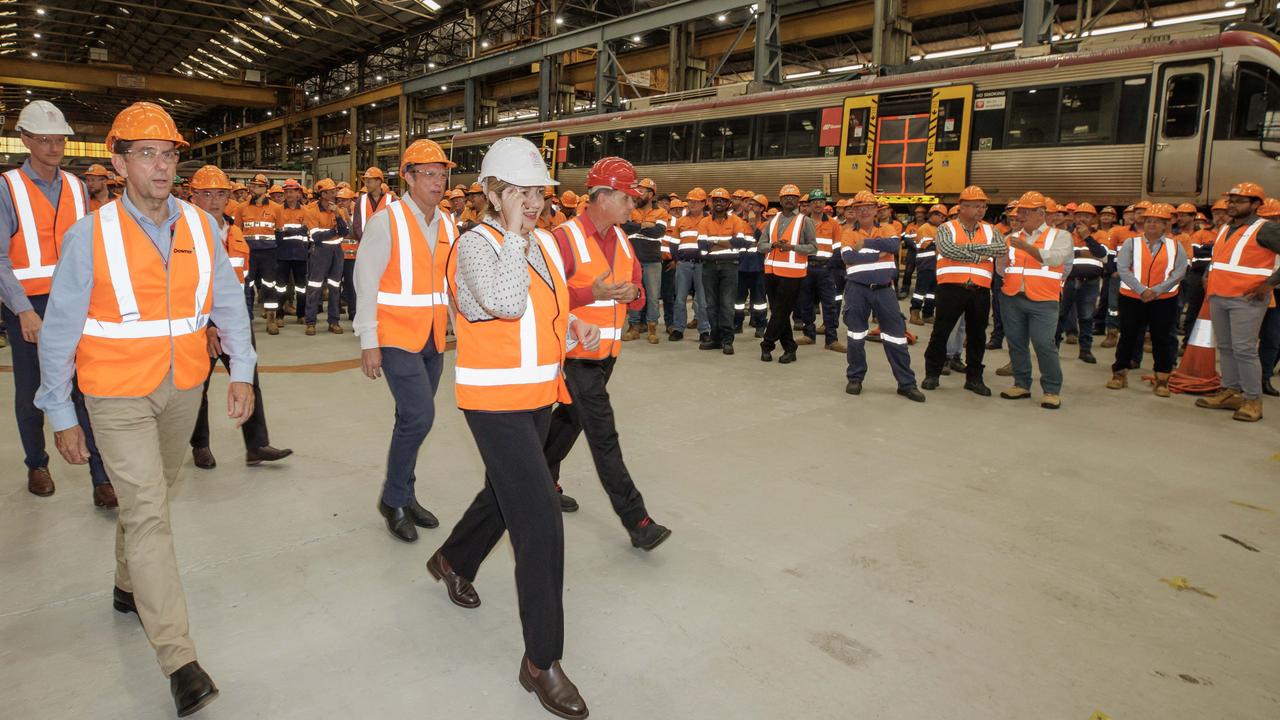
(184, 250)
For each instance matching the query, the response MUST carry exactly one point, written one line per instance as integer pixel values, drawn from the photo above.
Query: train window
(802, 134)
(635, 145)
(988, 122)
(772, 139)
(1088, 114)
(1033, 117)
(660, 144)
(593, 149)
(682, 143)
(1183, 93)
(950, 124)
(1257, 93)
(1134, 96)
(616, 143)
(572, 151)
(856, 126)
(728, 139)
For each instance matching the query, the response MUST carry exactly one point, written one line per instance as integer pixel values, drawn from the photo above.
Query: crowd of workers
(118, 306)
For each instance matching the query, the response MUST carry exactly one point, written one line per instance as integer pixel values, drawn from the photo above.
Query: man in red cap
(604, 278)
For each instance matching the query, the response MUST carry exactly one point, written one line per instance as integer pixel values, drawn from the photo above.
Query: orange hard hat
(583, 201)
(1051, 205)
(448, 206)
(863, 198)
(344, 184)
(456, 194)
(940, 209)
(234, 186)
(568, 198)
(1106, 210)
(804, 197)
(143, 121)
(548, 192)
(1085, 207)
(424, 151)
(955, 210)
(648, 183)
(260, 179)
(827, 209)
(1069, 207)
(882, 202)
(346, 194)
(1220, 204)
(292, 184)
(275, 189)
(1032, 200)
(373, 172)
(677, 203)
(720, 193)
(1163, 211)
(1248, 189)
(1186, 208)
(696, 194)
(97, 171)
(324, 184)
(1270, 208)
(791, 190)
(842, 203)
(761, 200)
(973, 192)
(475, 189)
(1142, 205)
(210, 177)
(771, 212)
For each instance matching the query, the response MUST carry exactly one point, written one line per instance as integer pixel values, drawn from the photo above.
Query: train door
(857, 145)
(1179, 134)
(902, 143)
(910, 143)
(947, 162)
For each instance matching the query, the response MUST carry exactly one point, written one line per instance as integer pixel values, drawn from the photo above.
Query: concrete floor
(832, 557)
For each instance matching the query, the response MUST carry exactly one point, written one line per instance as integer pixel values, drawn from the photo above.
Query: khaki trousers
(143, 442)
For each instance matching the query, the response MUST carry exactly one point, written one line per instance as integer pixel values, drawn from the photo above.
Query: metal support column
(284, 143)
(768, 51)
(891, 34)
(470, 102)
(257, 150)
(406, 128)
(353, 166)
(548, 86)
(1036, 15)
(608, 89)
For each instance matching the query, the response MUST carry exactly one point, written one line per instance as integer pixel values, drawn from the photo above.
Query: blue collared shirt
(11, 292)
(69, 308)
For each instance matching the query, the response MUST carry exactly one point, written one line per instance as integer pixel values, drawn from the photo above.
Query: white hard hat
(516, 161)
(41, 117)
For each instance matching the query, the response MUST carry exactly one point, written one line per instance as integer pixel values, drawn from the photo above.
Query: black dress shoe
(709, 345)
(1087, 357)
(266, 453)
(788, 357)
(421, 516)
(727, 349)
(123, 601)
(912, 393)
(567, 504)
(930, 382)
(1268, 388)
(204, 458)
(460, 589)
(854, 387)
(557, 693)
(675, 336)
(704, 338)
(192, 689)
(648, 534)
(977, 387)
(399, 522)
(766, 356)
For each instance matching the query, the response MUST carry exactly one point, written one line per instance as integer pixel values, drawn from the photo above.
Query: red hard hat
(613, 173)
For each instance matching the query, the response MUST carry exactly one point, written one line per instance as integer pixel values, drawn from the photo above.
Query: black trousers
(720, 282)
(324, 267)
(953, 302)
(261, 276)
(782, 292)
(668, 293)
(591, 413)
(349, 286)
(1135, 316)
(1194, 284)
(291, 283)
(518, 497)
(254, 429)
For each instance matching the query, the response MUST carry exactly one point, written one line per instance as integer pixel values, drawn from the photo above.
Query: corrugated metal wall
(1108, 174)
(761, 176)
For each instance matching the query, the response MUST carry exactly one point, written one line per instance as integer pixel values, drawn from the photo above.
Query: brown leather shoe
(104, 496)
(335, 328)
(1224, 399)
(1250, 411)
(554, 689)
(806, 340)
(460, 589)
(837, 346)
(311, 329)
(40, 482)
(204, 458)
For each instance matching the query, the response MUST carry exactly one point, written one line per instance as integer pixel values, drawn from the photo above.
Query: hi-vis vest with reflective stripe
(790, 263)
(1151, 269)
(589, 263)
(35, 245)
(827, 235)
(515, 365)
(1027, 275)
(1239, 262)
(1083, 256)
(237, 251)
(955, 271)
(145, 317)
(413, 300)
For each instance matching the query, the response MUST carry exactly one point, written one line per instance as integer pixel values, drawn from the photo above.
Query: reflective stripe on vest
(33, 264)
(956, 271)
(786, 264)
(1038, 281)
(413, 292)
(589, 263)
(1145, 269)
(1239, 262)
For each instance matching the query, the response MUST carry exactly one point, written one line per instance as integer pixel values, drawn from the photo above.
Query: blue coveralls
(869, 289)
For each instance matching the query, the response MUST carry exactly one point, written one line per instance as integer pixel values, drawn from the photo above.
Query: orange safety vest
(1239, 262)
(828, 234)
(368, 209)
(145, 317)
(955, 271)
(589, 263)
(95, 203)
(258, 221)
(237, 251)
(789, 264)
(1151, 269)
(1026, 274)
(37, 241)
(515, 365)
(413, 302)
(924, 242)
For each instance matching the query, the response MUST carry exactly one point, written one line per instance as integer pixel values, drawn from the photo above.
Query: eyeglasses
(428, 174)
(47, 140)
(152, 155)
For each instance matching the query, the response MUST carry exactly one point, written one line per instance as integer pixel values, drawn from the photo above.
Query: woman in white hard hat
(506, 282)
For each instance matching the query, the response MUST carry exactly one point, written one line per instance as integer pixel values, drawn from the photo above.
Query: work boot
(837, 346)
(289, 308)
(727, 349)
(4, 340)
(1005, 370)
(974, 382)
(311, 329)
(1015, 393)
(710, 344)
(653, 333)
(955, 364)
(1071, 339)
(633, 332)
(335, 328)
(1250, 411)
(302, 320)
(806, 340)
(1119, 380)
(675, 336)
(648, 534)
(759, 332)
(912, 393)
(1113, 337)
(272, 328)
(1087, 357)
(787, 357)
(853, 387)
(928, 319)
(1050, 401)
(930, 382)
(915, 318)
(1224, 399)
(1161, 388)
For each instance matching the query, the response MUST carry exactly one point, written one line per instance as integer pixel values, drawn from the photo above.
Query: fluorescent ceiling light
(799, 75)
(431, 4)
(1117, 29)
(1006, 45)
(954, 53)
(846, 68)
(1199, 17)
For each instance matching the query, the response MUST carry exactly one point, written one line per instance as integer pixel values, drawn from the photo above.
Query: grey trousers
(1236, 321)
(1030, 323)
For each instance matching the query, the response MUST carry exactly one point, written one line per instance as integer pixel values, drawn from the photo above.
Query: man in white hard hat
(39, 203)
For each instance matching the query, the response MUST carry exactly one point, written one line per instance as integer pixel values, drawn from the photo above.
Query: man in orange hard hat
(40, 202)
(327, 226)
(787, 242)
(95, 180)
(259, 219)
(1080, 292)
(132, 331)
(1239, 287)
(647, 230)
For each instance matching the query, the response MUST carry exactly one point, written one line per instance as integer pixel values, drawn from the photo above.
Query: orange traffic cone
(1198, 372)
